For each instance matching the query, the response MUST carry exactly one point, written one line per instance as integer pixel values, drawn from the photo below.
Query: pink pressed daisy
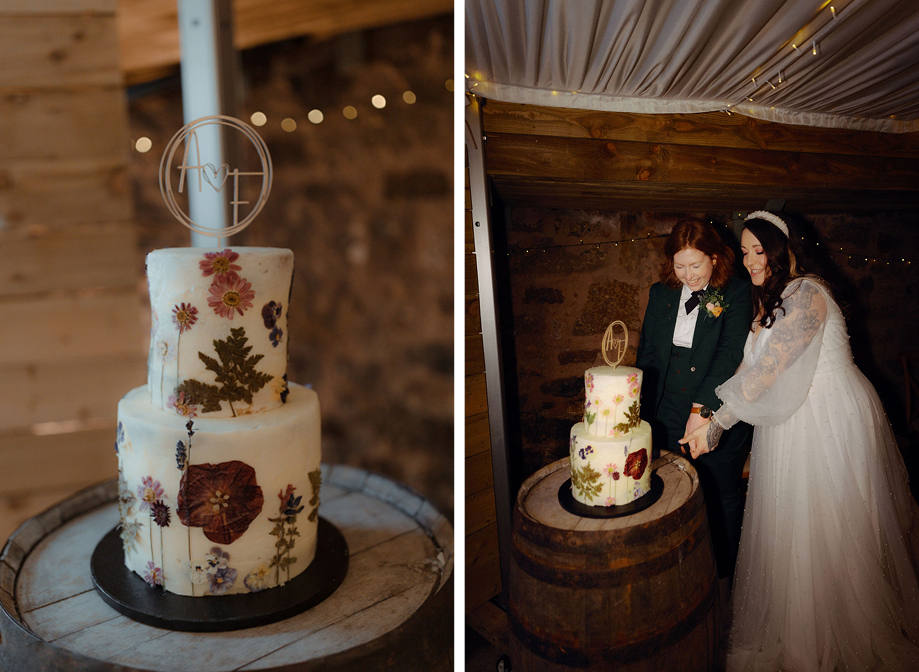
(149, 491)
(184, 315)
(230, 294)
(219, 263)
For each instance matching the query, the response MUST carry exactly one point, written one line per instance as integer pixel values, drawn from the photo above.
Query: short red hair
(698, 235)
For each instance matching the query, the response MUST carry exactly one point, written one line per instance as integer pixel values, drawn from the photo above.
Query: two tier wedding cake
(218, 455)
(610, 451)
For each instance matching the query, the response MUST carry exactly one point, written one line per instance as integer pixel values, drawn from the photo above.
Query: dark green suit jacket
(717, 345)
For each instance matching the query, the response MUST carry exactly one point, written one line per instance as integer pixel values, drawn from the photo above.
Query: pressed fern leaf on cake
(236, 376)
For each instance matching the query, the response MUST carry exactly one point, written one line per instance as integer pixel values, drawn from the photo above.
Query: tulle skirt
(826, 578)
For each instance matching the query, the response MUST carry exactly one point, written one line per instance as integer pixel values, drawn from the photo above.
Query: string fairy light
(581, 243)
(761, 73)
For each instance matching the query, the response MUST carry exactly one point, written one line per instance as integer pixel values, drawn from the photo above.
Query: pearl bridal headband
(769, 217)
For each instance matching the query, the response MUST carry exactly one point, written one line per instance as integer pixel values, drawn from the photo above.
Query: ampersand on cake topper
(613, 344)
(215, 177)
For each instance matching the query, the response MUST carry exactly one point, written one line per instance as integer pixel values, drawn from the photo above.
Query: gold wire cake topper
(613, 344)
(215, 177)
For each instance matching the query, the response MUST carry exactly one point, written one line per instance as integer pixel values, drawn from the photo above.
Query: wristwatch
(704, 411)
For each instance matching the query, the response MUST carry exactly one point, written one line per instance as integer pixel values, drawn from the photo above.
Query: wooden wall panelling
(70, 326)
(71, 191)
(66, 392)
(58, 50)
(42, 259)
(52, 124)
(73, 320)
(477, 436)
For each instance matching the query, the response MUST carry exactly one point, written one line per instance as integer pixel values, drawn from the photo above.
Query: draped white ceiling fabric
(752, 57)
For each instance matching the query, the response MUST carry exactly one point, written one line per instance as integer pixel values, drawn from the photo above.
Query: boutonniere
(712, 302)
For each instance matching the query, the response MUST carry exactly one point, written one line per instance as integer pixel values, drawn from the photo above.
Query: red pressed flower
(222, 498)
(635, 464)
(184, 315)
(219, 263)
(230, 293)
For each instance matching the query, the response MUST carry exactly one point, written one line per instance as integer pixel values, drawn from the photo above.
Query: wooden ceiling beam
(149, 37)
(583, 159)
(712, 129)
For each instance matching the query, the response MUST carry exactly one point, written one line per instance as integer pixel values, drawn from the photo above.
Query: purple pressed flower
(153, 574)
(119, 437)
(160, 513)
(181, 456)
(270, 314)
(148, 491)
(275, 336)
(222, 580)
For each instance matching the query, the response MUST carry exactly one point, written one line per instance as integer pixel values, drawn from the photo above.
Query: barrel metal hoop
(605, 577)
(616, 655)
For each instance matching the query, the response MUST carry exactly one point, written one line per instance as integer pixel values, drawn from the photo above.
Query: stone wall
(367, 207)
(573, 272)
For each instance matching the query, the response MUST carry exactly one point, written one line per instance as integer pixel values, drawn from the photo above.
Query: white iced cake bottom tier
(216, 506)
(610, 471)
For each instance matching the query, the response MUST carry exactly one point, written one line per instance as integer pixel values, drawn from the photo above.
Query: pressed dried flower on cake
(153, 575)
(635, 464)
(230, 294)
(148, 492)
(235, 370)
(285, 530)
(182, 404)
(184, 316)
(271, 311)
(223, 499)
(219, 263)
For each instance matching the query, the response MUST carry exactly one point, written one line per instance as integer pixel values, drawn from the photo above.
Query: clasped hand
(702, 439)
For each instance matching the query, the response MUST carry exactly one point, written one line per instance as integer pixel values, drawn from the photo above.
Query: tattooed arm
(805, 310)
(770, 388)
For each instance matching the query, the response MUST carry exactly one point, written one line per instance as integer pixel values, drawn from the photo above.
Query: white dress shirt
(685, 324)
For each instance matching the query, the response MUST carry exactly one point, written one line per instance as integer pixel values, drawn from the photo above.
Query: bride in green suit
(692, 340)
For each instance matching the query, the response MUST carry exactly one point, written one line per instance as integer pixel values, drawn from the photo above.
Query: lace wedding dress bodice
(825, 580)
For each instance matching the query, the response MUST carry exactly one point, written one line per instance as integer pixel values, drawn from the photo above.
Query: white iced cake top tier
(612, 400)
(218, 339)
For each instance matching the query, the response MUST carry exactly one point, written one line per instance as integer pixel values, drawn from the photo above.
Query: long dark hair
(698, 235)
(785, 261)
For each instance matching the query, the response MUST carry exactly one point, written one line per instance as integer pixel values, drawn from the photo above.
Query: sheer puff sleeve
(773, 380)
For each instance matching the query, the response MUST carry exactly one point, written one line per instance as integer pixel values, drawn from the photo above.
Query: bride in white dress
(825, 578)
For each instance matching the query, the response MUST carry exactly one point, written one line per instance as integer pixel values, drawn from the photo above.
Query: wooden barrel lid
(395, 606)
(539, 516)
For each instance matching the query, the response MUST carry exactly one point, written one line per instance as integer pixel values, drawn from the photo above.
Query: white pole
(208, 68)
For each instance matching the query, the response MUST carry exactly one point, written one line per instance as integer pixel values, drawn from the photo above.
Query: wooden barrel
(394, 609)
(631, 593)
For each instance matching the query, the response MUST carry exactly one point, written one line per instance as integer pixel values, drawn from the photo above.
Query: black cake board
(129, 594)
(571, 505)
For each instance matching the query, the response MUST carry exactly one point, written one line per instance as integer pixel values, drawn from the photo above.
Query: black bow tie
(693, 301)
